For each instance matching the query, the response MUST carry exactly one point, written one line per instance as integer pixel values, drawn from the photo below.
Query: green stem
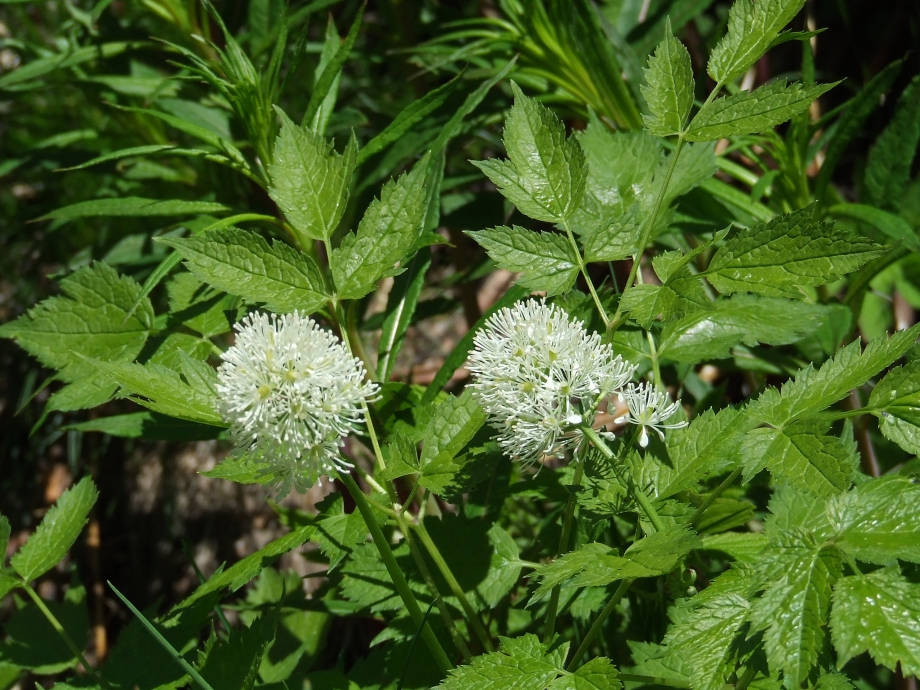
(650, 224)
(56, 624)
(396, 574)
(553, 608)
(711, 498)
(599, 623)
(455, 588)
(746, 678)
(638, 494)
(653, 353)
(584, 272)
(458, 640)
(852, 563)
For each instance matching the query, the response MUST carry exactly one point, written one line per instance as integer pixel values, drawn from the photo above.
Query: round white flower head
(539, 374)
(291, 391)
(650, 408)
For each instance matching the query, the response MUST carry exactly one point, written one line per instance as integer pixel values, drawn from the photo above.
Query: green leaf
(310, 180)
(546, 259)
(680, 293)
(670, 86)
(813, 390)
(134, 207)
(148, 425)
(741, 546)
(545, 174)
(190, 396)
(242, 263)
(453, 425)
(597, 674)
(708, 635)
(42, 66)
(896, 403)
(779, 256)
(326, 81)
(164, 149)
(614, 239)
(401, 304)
(757, 111)
(504, 567)
(802, 456)
(234, 663)
(57, 531)
(879, 521)
(878, 613)
(386, 235)
(197, 306)
(752, 27)
(711, 334)
(523, 663)
(890, 158)
(597, 565)
(794, 607)
(894, 226)
(707, 446)
(90, 320)
(32, 643)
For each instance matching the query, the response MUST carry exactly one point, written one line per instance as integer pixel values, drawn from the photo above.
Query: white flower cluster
(539, 375)
(649, 408)
(291, 391)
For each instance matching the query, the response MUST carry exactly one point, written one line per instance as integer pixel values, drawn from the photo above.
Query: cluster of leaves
(762, 527)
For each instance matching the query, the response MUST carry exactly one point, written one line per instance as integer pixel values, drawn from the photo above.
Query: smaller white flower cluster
(650, 408)
(291, 391)
(539, 375)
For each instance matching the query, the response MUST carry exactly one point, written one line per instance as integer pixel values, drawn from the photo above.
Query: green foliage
(545, 173)
(56, 533)
(242, 263)
(763, 523)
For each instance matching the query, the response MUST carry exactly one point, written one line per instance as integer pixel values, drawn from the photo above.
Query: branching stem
(595, 628)
(584, 272)
(711, 498)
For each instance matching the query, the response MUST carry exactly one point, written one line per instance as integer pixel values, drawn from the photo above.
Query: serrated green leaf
(775, 258)
(670, 86)
(546, 259)
(134, 207)
(310, 180)
(752, 27)
(813, 390)
(243, 263)
(794, 606)
(90, 320)
(597, 674)
(802, 456)
(596, 565)
(887, 223)
(707, 637)
(707, 446)
(890, 158)
(386, 235)
(453, 425)
(614, 239)
(523, 663)
(57, 531)
(545, 174)
(757, 111)
(680, 293)
(741, 546)
(747, 319)
(234, 663)
(896, 403)
(879, 521)
(878, 613)
(504, 567)
(189, 396)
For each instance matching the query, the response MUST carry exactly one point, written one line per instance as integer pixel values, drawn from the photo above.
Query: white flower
(290, 391)
(649, 408)
(538, 375)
